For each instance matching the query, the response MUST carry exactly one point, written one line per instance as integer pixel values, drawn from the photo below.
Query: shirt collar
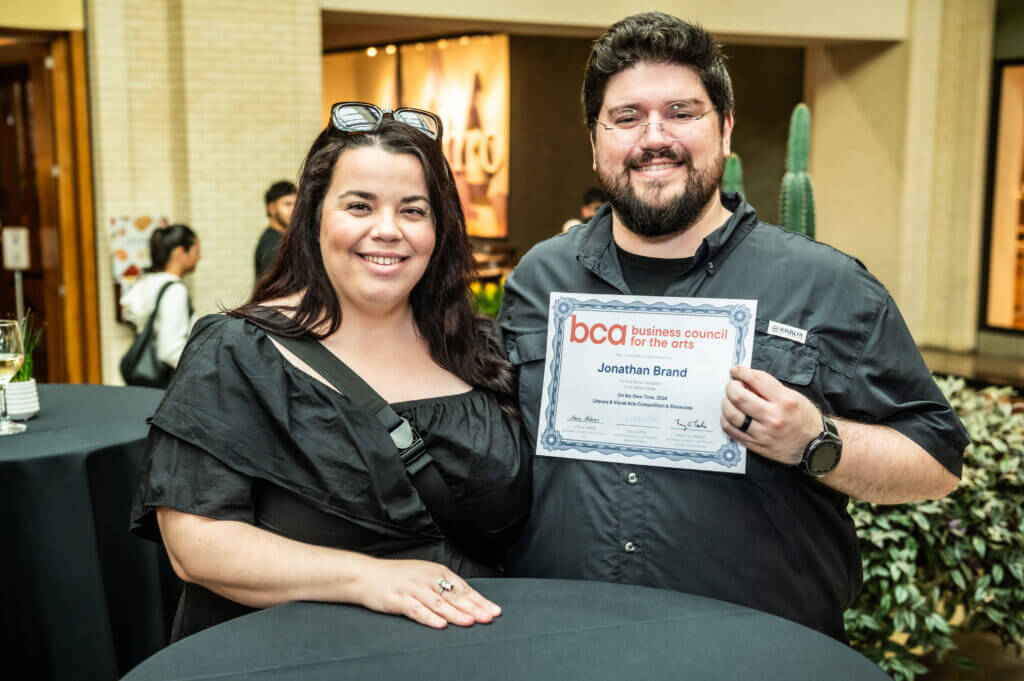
(597, 250)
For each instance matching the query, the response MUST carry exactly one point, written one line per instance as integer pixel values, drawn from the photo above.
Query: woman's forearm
(255, 567)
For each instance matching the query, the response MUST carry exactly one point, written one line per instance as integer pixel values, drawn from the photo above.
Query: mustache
(668, 153)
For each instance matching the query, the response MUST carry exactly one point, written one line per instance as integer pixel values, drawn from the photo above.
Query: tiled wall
(197, 106)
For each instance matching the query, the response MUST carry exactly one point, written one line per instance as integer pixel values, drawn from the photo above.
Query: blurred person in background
(592, 199)
(174, 252)
(280, 200)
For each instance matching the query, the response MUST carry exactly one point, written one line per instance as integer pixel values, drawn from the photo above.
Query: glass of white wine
(12, 354)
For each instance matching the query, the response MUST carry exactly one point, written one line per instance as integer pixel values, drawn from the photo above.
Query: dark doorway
(19, 190)
(46, 186)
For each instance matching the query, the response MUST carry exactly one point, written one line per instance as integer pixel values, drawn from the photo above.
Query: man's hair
(279, 190)
(458, 341)
(593, 195)
(660, 38)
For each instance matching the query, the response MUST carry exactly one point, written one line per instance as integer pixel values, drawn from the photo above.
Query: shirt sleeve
(892, 386)
(184, 477)
(175, 322)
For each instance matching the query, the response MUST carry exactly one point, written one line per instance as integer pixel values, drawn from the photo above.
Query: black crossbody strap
(433, 490)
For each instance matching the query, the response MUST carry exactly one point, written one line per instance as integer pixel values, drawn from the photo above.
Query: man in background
(280, 200)
(593, 199)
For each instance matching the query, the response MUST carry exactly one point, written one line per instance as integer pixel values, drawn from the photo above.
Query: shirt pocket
(527, 355)
(787, 360)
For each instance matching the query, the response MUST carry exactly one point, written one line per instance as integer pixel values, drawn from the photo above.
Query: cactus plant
(796, 198)
(732, 177)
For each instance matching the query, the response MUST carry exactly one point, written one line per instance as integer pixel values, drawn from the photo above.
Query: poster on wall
(129, 245)
(465, 82)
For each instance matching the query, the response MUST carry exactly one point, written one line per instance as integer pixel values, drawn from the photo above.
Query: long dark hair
(458, 341)
(164, 240)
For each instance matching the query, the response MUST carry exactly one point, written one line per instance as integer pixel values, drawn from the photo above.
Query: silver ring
(746, 423)
(444, 586)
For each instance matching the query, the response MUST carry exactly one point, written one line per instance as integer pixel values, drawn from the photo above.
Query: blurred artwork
(465, 82)
(129, 245)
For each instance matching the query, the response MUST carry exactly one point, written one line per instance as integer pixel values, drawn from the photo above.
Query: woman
(174, 252)
(265, 483)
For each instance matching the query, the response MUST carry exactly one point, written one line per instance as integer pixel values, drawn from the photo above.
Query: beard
(680, 213)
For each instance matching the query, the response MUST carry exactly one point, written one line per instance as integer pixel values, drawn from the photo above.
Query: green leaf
(958, 579)
(921, 520)
(997, 573)
(901, 593)
(979, 546)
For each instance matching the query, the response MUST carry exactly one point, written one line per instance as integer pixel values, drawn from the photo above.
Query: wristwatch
(822, 454)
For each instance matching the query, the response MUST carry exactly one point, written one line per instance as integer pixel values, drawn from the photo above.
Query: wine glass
(12, 354)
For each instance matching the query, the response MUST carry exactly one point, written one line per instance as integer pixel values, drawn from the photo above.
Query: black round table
(550, 629)
(82, 598)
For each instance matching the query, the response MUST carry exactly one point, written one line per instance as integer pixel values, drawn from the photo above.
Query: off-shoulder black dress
(244, 435)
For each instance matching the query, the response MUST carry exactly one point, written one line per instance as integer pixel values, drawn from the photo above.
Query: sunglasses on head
(359, 117)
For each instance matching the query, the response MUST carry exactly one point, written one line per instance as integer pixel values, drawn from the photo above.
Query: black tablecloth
(550, 629)
(82, 598)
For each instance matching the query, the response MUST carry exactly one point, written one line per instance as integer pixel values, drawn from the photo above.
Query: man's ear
(727, 123)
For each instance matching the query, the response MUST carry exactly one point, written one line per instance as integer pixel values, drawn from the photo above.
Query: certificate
(641, 379)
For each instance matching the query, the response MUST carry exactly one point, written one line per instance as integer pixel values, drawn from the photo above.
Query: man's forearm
(882, 466)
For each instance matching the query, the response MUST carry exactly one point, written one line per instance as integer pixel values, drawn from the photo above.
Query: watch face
(823, 458)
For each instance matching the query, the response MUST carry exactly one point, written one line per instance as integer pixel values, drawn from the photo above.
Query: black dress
(243, 435)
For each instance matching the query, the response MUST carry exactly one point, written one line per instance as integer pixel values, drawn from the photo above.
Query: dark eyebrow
(413, 199)
(358, 194)
(622, 107)
(674, 102)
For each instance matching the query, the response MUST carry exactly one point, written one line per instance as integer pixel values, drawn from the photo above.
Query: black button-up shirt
(772, 539)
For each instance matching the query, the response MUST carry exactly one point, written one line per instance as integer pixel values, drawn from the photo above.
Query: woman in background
(174, 252)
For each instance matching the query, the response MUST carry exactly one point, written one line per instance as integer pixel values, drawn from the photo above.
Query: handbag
(140, 365)
(433, 491)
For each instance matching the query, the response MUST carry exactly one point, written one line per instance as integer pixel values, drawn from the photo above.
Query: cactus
(796, 198)
(732, 177)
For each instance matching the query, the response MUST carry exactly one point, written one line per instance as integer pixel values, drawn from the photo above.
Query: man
(659, 107)
(280, 200)
(593, 198)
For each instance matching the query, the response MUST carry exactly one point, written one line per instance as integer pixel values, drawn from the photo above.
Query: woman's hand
(412, 588)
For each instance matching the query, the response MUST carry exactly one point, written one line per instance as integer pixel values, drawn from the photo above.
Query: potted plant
(22, 393)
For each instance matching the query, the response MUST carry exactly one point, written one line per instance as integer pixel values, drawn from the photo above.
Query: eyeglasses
(358, 117)
(628, 126)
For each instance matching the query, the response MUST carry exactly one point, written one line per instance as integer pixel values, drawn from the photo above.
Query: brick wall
(197, 106)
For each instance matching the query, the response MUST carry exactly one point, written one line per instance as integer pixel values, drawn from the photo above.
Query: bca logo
(596, 333)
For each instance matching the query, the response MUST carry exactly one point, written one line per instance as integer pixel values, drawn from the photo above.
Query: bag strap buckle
(410, 447)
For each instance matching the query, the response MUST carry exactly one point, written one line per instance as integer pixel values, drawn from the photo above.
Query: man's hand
(783, 420)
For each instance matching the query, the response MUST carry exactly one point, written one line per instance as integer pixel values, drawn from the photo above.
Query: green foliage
(796, 198)
(30, 335)
(487, 297)
(924, 561)
(732, 177)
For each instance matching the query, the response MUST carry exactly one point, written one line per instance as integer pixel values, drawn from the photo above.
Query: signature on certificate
(584, 419)
(693, 424)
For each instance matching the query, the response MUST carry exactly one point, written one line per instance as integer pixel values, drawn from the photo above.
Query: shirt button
(632, 478)
(629, 547)
(710, 267)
